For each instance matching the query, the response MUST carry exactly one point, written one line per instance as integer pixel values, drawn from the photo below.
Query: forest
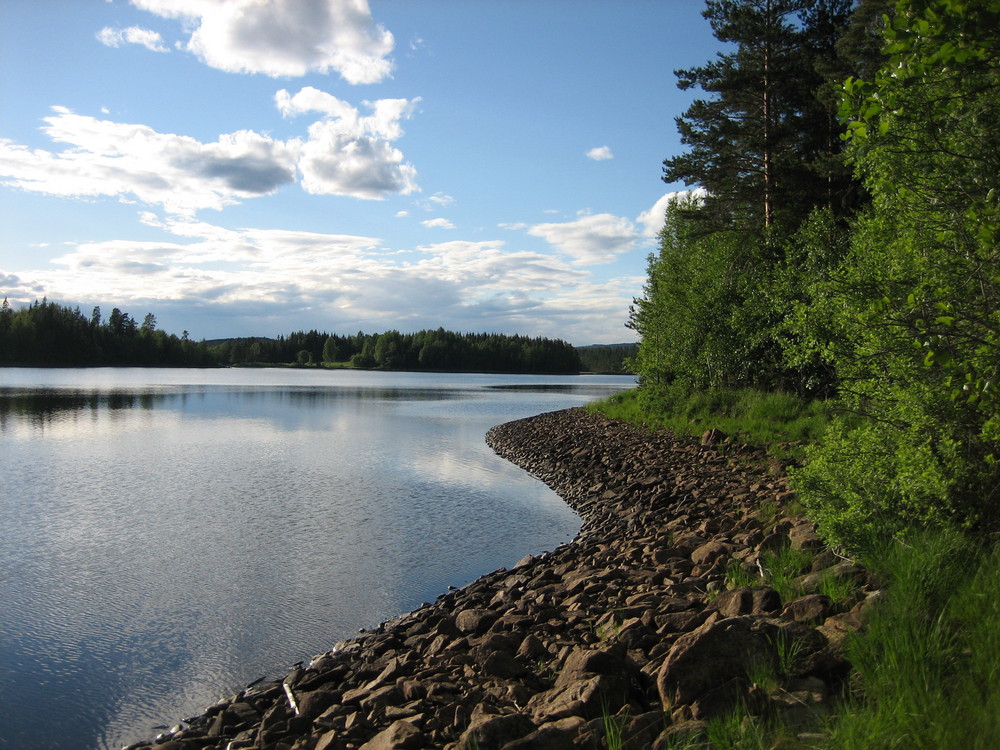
(47, 334)
(391, 350)
(840, 242)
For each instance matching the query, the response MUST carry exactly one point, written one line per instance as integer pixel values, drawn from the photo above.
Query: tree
(330, 351)
(915, 333)
(760, 144)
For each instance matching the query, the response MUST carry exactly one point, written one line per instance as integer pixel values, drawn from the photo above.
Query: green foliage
(928, 660)
(612, 359)
(424, 350)
(763, 142)
(910, 320)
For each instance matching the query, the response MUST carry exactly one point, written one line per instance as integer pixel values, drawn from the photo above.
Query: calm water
(167, 536)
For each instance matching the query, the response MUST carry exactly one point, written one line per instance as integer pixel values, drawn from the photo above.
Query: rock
(586, 698)
(804, 536)
(710, 665)
(808, 609)
(747, 601)
(555, 735)
(587, 662)
(314, 703)
(682, 734)
(710, 552)
(493, 732)
(713, 437)
(531, 649)
(401, 735)
(475, 621)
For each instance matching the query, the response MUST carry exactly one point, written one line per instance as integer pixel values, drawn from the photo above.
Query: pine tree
(758, 142)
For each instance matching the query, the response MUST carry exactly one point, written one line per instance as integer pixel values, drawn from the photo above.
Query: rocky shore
(635, 635)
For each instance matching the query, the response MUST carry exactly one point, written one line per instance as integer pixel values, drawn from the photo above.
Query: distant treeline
(50, 335)
(392, 350)
(608, 358)
(47, 334)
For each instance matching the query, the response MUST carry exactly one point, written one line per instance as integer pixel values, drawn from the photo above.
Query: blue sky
(254, 167)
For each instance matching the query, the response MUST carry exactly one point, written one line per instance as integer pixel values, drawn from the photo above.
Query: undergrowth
(748, 416)
(928, 663)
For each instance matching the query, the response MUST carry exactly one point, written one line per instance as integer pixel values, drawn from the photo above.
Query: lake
(168, 536)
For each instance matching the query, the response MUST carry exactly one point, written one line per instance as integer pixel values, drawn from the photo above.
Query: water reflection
(163, 546)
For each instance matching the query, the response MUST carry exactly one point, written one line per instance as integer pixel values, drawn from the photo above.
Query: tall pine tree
(763, 142)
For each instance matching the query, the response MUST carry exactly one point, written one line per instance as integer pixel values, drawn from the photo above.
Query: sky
(257, 167)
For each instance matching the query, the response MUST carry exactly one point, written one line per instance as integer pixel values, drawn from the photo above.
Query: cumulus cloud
(284, 37)
(441, 199)
(336, 282)
(438, 224)
(344, 154)
(600, 153)
(653, 219)
(151, 40)
(123, 160)
(589, 240)
(348, 153)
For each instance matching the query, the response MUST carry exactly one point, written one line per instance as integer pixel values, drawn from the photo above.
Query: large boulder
(708, 669)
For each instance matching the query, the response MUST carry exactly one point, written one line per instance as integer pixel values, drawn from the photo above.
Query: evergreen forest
(391, 350)
(47, 334)
(839, 243)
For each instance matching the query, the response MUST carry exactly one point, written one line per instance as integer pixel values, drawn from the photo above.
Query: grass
(928, 665)
(782, 568)
(737, 731)
(737, 576)
(614, 727)
(747, 416)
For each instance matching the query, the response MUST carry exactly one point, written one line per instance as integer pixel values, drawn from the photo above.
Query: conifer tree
(760, 143)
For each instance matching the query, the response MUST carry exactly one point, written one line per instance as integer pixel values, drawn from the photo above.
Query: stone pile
(630, 628)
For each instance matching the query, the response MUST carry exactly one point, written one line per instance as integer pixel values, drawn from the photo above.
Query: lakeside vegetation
(835, 286)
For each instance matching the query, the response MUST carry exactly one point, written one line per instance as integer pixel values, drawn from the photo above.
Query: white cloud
(123, 160)
(284, 37)
(348, 153)
(653, 219)
(600, 153)
(438, 224)
(151, 40)
(274, 279)
(589, 240)
(441, 199)
(402, 214)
